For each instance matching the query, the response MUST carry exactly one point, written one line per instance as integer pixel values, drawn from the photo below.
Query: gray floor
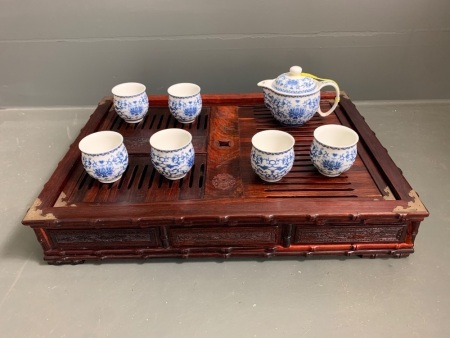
(318, 297)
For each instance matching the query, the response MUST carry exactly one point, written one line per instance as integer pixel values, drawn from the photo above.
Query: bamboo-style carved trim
(165, 237)
(287, 236)
(75, 257)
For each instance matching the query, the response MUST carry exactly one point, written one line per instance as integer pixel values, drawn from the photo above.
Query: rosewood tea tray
(221, 208)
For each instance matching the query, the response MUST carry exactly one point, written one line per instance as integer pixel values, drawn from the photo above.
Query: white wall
(63, 52)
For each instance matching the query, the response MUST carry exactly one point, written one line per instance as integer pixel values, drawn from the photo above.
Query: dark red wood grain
(221, 208)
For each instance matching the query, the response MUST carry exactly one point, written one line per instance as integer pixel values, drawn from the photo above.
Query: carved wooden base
(227, 253)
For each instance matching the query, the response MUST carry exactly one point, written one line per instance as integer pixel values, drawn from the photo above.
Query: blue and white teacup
(334, 149)
(185, 101)
(104, 155)
(272, 155)
(130, 101)
(172, 153)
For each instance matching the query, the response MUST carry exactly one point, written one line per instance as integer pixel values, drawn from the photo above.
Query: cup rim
(192, 88)
(116, 142)
(122, 89)
(159, 139)
(289, 140)
(320, 131)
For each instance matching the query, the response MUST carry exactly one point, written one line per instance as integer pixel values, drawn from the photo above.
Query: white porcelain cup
(272, 155)
(185, 101)
(334, 149)
(104, 155)
(172, 153)
(130, 101)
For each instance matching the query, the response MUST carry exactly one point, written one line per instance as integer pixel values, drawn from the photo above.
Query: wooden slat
(303, 167)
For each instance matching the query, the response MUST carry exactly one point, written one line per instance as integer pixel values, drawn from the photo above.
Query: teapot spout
(267, 84)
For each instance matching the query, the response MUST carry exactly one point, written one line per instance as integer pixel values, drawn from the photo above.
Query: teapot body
(291, 110)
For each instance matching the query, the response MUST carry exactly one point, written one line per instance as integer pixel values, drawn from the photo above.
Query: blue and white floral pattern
(131, 108)
(185, 110)
(173, 164)
(295, 85)
(271, 167)
(106, 167)
(331, 161)
(292, 111)
(294, 97)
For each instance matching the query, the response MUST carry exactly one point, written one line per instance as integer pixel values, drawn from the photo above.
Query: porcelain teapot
(294, 97)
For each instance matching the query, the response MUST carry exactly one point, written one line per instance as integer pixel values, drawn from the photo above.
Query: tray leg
(65, 262)
(393, 254)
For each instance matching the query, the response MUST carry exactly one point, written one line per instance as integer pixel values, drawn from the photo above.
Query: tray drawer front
(225, 236)
(350, 234)
(105, 238)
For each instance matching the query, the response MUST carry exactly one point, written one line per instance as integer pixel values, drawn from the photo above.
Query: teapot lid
(295, 83)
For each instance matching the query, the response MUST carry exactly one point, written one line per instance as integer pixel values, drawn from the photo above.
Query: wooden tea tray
(221, 208)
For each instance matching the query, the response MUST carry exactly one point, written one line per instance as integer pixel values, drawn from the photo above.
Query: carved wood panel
(349, 234)
(218, 236)
(104, 238)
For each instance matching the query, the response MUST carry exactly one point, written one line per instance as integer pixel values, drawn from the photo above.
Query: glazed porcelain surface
(172, 153)
(104, 156)
(334, 149)
(272, 154)
(130, 101)
(294, 97)
(185, 101)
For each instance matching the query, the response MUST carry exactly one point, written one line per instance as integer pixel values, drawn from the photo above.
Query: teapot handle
(336, 99)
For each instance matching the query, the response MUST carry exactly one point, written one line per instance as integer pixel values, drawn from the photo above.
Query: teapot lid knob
(295, 71)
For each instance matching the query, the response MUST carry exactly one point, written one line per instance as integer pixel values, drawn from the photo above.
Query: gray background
(71, 53)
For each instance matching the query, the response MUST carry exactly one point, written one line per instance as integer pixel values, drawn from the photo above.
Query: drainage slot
(141, 181)
(152, 122)
(191, 178)
(122, 178)
(224, 144)
(202, 174)
(133, 175)
(206, 122)
(152, 177)
(160, 122)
